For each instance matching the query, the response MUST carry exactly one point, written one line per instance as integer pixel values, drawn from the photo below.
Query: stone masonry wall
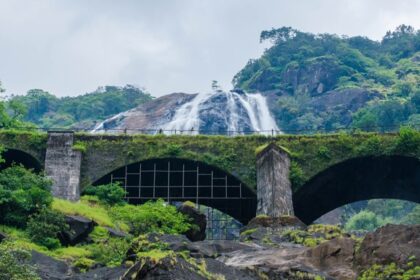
(274, 192)
(62, 165)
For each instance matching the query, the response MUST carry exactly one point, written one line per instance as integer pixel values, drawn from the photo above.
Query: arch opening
(368, 215)
(178, 180)
(364, 178)
(13, 156)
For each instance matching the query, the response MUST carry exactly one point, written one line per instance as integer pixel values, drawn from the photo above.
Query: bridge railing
(192, 131)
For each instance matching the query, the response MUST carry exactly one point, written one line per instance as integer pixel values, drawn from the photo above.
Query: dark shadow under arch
(357, 179)
(175, 179)
(13, 156)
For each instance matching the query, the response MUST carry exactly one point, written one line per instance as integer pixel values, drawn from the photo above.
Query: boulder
(79, 229)
(174, 266)
(2, 236)
(116, 233)
(334, 257)
(103, 273)
(199, 219)
(50, 268)
(266, 230)
(390, 244)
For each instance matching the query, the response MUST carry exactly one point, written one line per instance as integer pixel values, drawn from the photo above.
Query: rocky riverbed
(269, 248)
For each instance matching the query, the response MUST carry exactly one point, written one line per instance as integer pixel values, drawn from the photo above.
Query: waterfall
(253, 106)
(187, 117)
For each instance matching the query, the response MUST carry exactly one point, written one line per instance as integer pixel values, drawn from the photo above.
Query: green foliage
(110, 194)
(44, 109)
(152, 217)
(388, 67)
(391, 271)
(78, 146)
(89, 208)
(409, 140)
(44, 227)
(296, 175)
(314, 234)
(365, 220)
(22, 193)
(13, 264)
(413, 217)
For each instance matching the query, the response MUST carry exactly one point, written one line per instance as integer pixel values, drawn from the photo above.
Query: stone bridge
(242, 176)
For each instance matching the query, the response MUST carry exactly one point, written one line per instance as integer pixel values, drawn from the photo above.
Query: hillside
(324, 82)
(46, 110)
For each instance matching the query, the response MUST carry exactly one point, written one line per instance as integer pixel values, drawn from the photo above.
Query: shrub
(365, 220)
(111, 252)
(22, 193)
(110, 194)
(296, 175)
(409, 140)
(44, 227)
(152, 217)
(13, 264)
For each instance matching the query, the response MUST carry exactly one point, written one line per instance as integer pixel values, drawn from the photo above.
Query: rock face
(151, 115)
(198, 219)
(207, 113)
(391, 243)
(80, 227)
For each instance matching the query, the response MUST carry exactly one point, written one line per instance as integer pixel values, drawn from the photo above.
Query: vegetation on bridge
(235, 155)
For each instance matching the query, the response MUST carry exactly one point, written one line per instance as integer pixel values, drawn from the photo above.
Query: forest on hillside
(324, 82)
(43, 109)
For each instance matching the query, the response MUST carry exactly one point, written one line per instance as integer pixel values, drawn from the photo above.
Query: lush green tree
(110, 194)
(46, 110)
(22, 193)
(365, 220)
(413, 217)
(43, 227)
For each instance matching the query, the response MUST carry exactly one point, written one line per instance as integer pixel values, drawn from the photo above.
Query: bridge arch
(176, 179)
(15, 156)
(358, 179)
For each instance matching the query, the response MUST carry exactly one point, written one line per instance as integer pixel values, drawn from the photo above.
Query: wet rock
(103, 273)
(80, 227)
(265, 230)
(174, 266)
(391, 243)
(49, 268)
(198, 219)
(116, 233)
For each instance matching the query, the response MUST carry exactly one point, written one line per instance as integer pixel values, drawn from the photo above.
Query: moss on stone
(235, 155)
(391, 271)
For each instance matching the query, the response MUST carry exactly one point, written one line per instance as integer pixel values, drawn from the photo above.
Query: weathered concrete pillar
(274, 192)
(62, 165)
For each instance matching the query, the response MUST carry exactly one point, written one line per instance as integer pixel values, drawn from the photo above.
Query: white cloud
(71, 47)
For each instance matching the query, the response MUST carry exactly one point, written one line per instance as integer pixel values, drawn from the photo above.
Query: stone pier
(62, 165)
(274, 192)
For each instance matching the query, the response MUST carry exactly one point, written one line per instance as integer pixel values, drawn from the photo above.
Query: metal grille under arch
(174, 179)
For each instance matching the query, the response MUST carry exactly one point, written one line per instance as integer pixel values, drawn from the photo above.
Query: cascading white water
(187, 117)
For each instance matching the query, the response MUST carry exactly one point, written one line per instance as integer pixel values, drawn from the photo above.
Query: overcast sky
(70, 47)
